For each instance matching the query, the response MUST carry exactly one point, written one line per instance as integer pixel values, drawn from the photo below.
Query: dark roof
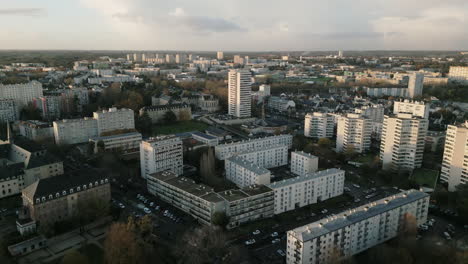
(11, 170)
(39, 161)
(28, 145)
(4, 151)
(65, 182)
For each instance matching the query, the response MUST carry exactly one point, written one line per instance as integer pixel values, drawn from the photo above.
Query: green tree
(144, 124)
(324, 142)
(220, 219)
(169, 117)
(299, 142)
(30, 112)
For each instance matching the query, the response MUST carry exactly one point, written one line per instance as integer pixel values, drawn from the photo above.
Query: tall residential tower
(239, 93)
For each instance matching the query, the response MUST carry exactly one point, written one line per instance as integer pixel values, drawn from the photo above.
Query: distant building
(415, 85)
(356, 230)
(373, 112)
(458, 74)
(114, 119)
(276, 103)
(161, 154)
(455, 161)
(220, 55)
(379, 92)
(48, 106)
(21, 94)
(353, 133)
(127, 142)
(205, 138)
(157, 113)
(36, 130)
(310, 188)
(415, 108)
(319, 125)
(8, 111)
(267, 157)
(245, 173)
(303, 163)
(239, 89)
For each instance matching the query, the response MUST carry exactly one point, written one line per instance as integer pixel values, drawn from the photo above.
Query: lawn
(179, 127)
(425, 177)
(366, 159)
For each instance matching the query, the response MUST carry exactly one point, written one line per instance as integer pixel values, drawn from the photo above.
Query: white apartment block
(455, 162)
(8, 112)
(373, 112)
(267, 157)
(48, 106)
(36, 130)
(418, 109)
(415, 85)
(378, 92)
(228, 150)
(353, 231)
(220, 55)
(239, 89)
(245, 173)
(161, 154)
(294, 193)
(281, 104)
(458, 73)
(303, 163)
(403, 140)
(21, 94)
(114, 119)
(205, 138)
(128, 142)
(319, 125)
(75, 131)
(353, 133)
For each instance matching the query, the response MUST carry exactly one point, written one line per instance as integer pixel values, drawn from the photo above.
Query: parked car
(147, 210)
(274, 234)
(281, 252)
(250, 242)
(121, 205)
(276, 240)
(256, 232)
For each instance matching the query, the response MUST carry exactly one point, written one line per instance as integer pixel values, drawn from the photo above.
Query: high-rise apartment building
(319, 125)
(374, 112)
(239, 102)
(114, 119)
(21, 94)
(340, 236)
(415, 85)
(220, 55)
(415, 108)
(353, 133)
(161, 154)
(455, 162)
(403, 140)
(303, 163)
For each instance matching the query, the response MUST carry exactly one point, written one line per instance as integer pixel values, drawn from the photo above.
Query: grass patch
(366, 159)
(179, 127)
(425, 177)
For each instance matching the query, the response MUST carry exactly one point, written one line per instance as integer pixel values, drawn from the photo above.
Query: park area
(179, 127)
(425, 177)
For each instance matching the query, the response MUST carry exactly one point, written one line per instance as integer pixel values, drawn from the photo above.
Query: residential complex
(310, 188)
(402, 144)
(228, 150)
(373, 112)
(353, 231)
(36, 130)
(319, 125)
(114, 119)
(455, 161)
(239, 89)
(157, 113)
(353, 133)
(415, 85)
(21, 94)
(161, 154)
(415, 108)
(245, 173)
(267, 157)
(303, 163)
(8, 112)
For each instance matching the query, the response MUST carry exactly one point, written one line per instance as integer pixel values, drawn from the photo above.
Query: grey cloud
(22, 12)
(346, 35)
(210, 24)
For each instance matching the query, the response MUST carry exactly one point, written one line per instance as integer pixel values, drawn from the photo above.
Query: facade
(36, 130)
(202, 203)
(75, 131)
(56, 199)
(21, 94)
(161, 154)
(220, 55)
(11, 179)
(402, 144)
(415, 108)
(114, 119)
(228, 150)
(48, 106)
(415, 85)
(353, 133)
(157, 113)
(128, 142)
(379, 92)
(319, 125)
(267, 157)
(239, 89)
(435, 141)
(303, 163)
(458, 73)
(374, 112)
(300, 191)
(276, 103)
(8, 111)
(244, 173)
(455, 161)
(351, 232)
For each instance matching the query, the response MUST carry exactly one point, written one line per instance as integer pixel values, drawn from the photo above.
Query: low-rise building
(245, 173)
(157, 113)
(300, 191)
(303, 163)
(36, 130)
(343, 235)
(128, 142)
(205, 138)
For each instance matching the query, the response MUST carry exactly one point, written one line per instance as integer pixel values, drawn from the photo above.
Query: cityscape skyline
(235, 26)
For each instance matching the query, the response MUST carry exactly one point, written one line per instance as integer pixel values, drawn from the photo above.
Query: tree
(121, 245)
(220, 219)
(30, 112)
(169, 117)
(324, 142)
(145, 225)
(73, 256)
(207, 166)
(144, 124)
(299, 142)
(184, 116)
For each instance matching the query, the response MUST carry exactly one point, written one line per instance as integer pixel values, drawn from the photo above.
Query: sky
(234, 25)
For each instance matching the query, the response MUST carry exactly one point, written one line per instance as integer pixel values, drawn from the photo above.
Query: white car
(276, 240)
(356, 185)
(281, 252)
(274, 234)
(256, 232)
(250, 242)
(121, 205)
(324, 211)
(147, 210)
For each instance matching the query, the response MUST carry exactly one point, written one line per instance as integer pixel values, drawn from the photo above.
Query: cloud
(202, 24)
(177, 12)
(22, 12)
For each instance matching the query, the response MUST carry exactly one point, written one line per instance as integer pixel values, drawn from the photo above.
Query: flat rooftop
(307, 177)
(248, 165)
(304, 154)
(352, 216)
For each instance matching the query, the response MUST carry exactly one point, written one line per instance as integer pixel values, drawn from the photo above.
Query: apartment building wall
(74, 131)
(244, 173)
(303, 163)
(114, 119)
(239, 89)
(267, 157)
(455, 160)
(353, 133)
(319, 125)
(160, 154)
